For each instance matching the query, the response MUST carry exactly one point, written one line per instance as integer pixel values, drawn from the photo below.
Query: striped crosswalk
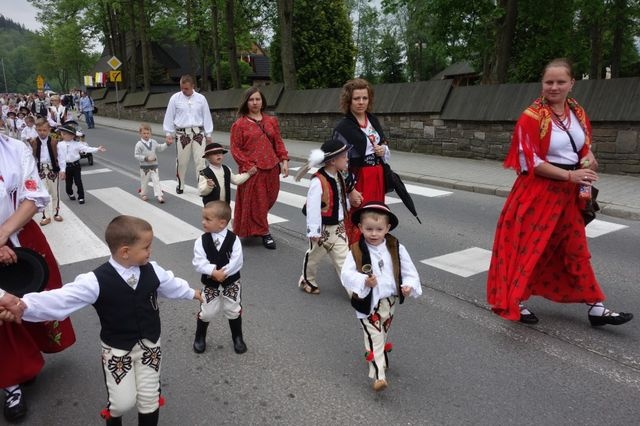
(170, 229)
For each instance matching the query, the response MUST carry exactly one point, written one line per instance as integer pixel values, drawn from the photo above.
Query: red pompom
(388, 347)
(368, 356)
(105, 414)
(161, 401)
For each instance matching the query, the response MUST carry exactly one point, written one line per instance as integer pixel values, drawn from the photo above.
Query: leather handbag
(591, 207)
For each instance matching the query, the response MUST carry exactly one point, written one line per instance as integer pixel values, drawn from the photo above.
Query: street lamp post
(420, 45)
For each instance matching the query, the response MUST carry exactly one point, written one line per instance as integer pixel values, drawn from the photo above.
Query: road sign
(114, 63)
(115, 76)
(40, 83)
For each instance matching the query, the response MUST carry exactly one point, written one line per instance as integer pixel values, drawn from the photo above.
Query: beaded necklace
(563, 123)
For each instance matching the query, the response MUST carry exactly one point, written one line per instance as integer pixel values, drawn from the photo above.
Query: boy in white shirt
(29, 131)
(214, 181)
(380, 273)
(145, 153)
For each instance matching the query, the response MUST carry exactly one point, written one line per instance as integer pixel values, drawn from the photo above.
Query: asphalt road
(453, 363)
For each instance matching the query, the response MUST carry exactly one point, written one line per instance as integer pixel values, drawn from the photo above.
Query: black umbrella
(394, 183)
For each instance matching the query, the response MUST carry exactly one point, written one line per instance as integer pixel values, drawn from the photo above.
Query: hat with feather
(330, 149)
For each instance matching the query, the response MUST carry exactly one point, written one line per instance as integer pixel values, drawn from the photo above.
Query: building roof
(455, 70)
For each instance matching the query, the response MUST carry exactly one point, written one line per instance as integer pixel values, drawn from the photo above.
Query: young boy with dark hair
(380, 273)
(217, 255)
(124, 291)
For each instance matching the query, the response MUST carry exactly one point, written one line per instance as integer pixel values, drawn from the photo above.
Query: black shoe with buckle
(178, 190)
(609, 318)
(268, 242)
(14, 405)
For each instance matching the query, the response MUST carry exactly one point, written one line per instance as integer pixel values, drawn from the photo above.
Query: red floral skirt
(21, 345)
(254, 199)
(370, 183)
(540, 248)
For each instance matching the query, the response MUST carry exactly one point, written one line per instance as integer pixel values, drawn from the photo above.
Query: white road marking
(191, 195)
(599, 227)
(71, 240)
(94, 171)
(166, 227)
(464, 263)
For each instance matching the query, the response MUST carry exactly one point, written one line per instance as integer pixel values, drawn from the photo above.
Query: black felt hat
(30, 273)
(214, 148)
(378, 207)
(70, 126)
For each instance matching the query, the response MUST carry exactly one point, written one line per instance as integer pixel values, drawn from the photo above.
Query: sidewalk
(619, 195)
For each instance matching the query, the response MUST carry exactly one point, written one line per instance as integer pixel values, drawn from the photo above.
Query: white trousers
(189, 145)
(376, 328)
(333, 241)
(147, 175)
(225, 299)
(52, 183)
(132, 377)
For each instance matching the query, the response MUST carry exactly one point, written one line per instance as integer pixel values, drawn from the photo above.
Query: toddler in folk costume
(380, 273)
(326, 208)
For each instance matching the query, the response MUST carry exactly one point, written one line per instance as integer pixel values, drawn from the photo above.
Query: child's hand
(314, 239)
(219, 275)
(252, 171)
(150, 157)
(211, 183)
(198, 295)
(371, 281)
(101, 148)
(61, 175)
(406, 290)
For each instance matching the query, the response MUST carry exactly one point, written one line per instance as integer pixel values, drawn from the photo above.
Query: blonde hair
(219, 209)
(374, 215)
(144, 126)
(125, 230)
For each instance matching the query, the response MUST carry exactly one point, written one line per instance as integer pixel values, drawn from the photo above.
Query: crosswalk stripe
(191, 195)
(600, 227)
(464, 263)
(71, 240)
(95, 171)
(166, 227)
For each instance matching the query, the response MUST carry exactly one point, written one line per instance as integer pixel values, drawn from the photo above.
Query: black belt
(184, 129)
(75, 163)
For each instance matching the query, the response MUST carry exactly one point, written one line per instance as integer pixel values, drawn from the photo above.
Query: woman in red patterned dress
(361, 129)
(540, 246)
(22, 194)
(256, 142)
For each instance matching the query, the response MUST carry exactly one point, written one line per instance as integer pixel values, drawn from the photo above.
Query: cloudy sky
(20, 11)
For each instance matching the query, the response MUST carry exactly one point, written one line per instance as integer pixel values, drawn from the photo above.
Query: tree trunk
(496, 66)
(190, 55)
(595, 36)
(145, 47)
(132, 44)
(285, 18)
(231, 46)
(215, 35)
(619, 27)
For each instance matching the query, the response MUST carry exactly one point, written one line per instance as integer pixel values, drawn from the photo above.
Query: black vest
(219, 257)
(127, 315)
(214, 195)
(53, 155)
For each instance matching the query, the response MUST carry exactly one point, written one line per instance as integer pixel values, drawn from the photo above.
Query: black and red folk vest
(127, 315)
(331, 198)
(361, 256)
(214, 195)
(219, 257)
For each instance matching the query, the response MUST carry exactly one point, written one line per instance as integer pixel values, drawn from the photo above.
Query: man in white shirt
(188, 117)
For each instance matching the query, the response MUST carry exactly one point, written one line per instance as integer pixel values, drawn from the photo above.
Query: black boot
(200, 342)
(114, 421)
(15, 407)
(236, 335)
(149, 419)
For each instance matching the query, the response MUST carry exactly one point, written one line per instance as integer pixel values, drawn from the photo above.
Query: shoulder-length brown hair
(243, 109)
(347, 93)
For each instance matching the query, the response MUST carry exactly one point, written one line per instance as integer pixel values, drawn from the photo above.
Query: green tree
(323, 50)
(367, 40)
(390, 54)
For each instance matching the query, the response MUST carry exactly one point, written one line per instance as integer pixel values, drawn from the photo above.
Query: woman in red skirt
(363, 131)
(256, 142)
(540, 246)
(22, 194)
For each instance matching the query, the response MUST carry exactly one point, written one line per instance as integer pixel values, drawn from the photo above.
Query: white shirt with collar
(187, 111)
(202, 264)
(58, 304)
(70, 151)
(382, 265)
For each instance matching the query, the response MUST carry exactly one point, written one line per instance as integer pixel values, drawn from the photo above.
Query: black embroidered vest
(214, 195)
(127, 315)
(219, 257)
